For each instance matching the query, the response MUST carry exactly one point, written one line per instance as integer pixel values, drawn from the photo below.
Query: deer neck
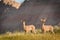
(43, 24)
(24, 25)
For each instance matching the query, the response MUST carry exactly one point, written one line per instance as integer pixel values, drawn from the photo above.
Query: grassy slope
(31, 37)
(38, 36)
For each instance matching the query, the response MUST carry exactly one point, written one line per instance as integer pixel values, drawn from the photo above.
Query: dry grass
(23, 36)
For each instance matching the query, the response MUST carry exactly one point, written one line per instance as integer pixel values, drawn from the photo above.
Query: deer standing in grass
(46, 28)
(28, 28)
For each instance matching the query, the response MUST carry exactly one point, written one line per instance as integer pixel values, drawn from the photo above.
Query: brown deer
(28, 28)
(46, 28)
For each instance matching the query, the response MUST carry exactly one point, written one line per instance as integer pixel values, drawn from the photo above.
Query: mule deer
(46, 28)
(29, 28)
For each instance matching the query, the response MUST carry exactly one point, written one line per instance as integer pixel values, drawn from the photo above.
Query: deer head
(43, 20)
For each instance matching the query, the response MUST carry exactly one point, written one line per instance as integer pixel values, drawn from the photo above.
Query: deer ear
(41, 19)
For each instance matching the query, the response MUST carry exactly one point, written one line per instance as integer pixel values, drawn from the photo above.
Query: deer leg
(26, 31)
(52, 31)
(34, 31)
(44, 31)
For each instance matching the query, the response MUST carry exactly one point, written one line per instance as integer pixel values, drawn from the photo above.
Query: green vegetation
(31, 36)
